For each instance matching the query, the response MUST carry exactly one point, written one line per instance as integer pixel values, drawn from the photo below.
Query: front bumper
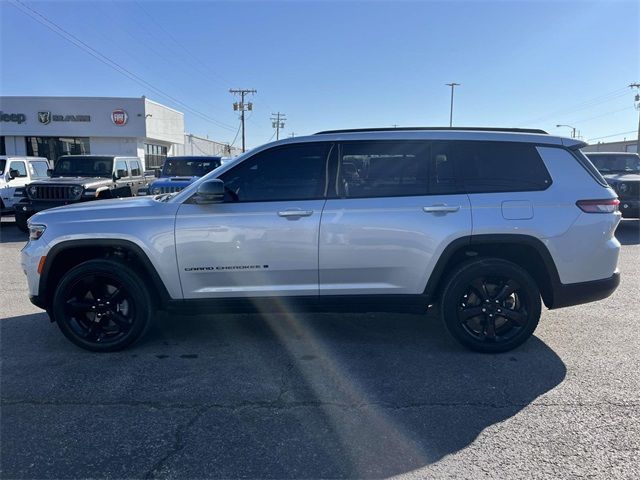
(568, 294)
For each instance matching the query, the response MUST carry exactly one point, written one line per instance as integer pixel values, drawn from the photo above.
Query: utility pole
(292, 134)
(242, 107)
(637, 99)
(277, 122)
(452, 85)
(573, 129)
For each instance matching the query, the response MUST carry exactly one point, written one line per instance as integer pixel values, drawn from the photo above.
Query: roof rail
(468, 129)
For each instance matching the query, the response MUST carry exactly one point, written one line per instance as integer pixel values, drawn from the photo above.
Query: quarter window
(499, 167)
(383, 169)
(296, 172)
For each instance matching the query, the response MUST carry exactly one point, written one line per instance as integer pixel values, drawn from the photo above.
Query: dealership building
(54, 126)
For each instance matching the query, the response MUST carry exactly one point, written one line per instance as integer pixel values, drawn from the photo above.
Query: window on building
(54, 147)
(154, 155)
(3, 146)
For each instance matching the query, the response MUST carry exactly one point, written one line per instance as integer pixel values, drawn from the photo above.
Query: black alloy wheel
(491, 305)
(102, 305)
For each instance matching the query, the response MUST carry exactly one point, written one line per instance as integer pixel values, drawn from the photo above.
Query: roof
(466, 129)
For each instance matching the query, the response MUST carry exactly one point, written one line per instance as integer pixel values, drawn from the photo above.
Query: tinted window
(2, 164)
(383, 169)
(121, 169)
(80, 166)
(19, 167)
(188, 167)
(295, 172)
(135, 168)
(38, 169)
(499, 167)
(612, 163)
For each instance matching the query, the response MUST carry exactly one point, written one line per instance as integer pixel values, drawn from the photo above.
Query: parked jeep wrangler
(621, 170)
(486, 223)
(80, 178)
(180, 172)
(15, 173)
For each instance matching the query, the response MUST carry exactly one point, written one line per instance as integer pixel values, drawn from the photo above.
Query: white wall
(199, 146)
(163, 123)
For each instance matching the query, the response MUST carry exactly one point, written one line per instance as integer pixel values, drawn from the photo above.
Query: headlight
(76, 191)
(623, 187)
(142, 191)
(33, 191)
(36, 231)
(156, 190)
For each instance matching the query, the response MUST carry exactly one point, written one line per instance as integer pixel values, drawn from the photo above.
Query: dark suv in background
(621, 170)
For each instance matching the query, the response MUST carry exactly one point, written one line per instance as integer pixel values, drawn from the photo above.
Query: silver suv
(485, 223)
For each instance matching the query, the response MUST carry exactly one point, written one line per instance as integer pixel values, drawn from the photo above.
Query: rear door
(396, 206)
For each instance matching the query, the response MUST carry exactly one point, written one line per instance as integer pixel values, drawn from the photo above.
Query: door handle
(441, 208)
(295, 213)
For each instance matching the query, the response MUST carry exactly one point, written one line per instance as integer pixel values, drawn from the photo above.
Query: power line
(69, 37)
(277, 122)
(242, 106)
(612, 135)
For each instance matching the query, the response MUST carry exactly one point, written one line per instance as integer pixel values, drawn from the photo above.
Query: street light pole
(573, 129)
(452, 85)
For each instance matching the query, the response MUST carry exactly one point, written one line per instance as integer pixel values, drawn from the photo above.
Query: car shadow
(282, 395)
(628, 232)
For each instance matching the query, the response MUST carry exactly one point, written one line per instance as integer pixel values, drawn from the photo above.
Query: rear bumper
(565, 295)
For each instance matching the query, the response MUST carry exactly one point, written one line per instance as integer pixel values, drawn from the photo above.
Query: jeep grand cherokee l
(488, 223)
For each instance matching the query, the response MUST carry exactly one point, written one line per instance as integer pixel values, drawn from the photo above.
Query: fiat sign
(119, 117)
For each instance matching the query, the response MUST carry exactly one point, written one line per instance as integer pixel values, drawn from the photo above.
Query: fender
(44, 296)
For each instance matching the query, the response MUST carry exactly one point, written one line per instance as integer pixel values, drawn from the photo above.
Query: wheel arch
(67, 254)
(524, 250)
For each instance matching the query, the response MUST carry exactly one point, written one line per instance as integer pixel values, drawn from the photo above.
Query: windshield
(38, 169)
(616, 163)
(2, 164)
(189, 167)
(81, 166)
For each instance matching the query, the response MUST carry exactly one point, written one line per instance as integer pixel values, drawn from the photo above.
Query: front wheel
(491, 305)
(102, 305)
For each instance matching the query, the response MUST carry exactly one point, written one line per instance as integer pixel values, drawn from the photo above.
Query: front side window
(38, 169)
(121, 169)
(499, 167)
(383, 169)
(294, 172)
(19, 168)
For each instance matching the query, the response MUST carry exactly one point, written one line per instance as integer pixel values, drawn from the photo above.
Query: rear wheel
(491, 305)
(102, 305)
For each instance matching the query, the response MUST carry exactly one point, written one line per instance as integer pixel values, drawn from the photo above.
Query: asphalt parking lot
(322, 395)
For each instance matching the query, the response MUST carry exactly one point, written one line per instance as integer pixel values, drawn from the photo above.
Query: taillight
(609, 205)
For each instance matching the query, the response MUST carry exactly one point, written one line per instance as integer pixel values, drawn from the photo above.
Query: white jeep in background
(17, 172)
(485, 223)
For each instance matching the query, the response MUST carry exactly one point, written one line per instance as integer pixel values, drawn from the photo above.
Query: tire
(21, 222)
(490, 305)
(102, 306)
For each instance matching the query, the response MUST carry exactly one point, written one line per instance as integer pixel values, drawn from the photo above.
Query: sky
(342, 64)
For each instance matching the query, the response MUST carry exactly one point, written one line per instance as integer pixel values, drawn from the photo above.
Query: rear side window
(484, 167)
(135, 168)
(383, 169)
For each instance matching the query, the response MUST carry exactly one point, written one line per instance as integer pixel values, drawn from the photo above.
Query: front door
(263, 239)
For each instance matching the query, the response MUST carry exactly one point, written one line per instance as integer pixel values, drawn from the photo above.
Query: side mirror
(13, 173)
(49, 172)
(211, 191)
(157, 172)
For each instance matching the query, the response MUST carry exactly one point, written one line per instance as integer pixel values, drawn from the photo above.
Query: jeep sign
(119, 117)
(13, 117)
